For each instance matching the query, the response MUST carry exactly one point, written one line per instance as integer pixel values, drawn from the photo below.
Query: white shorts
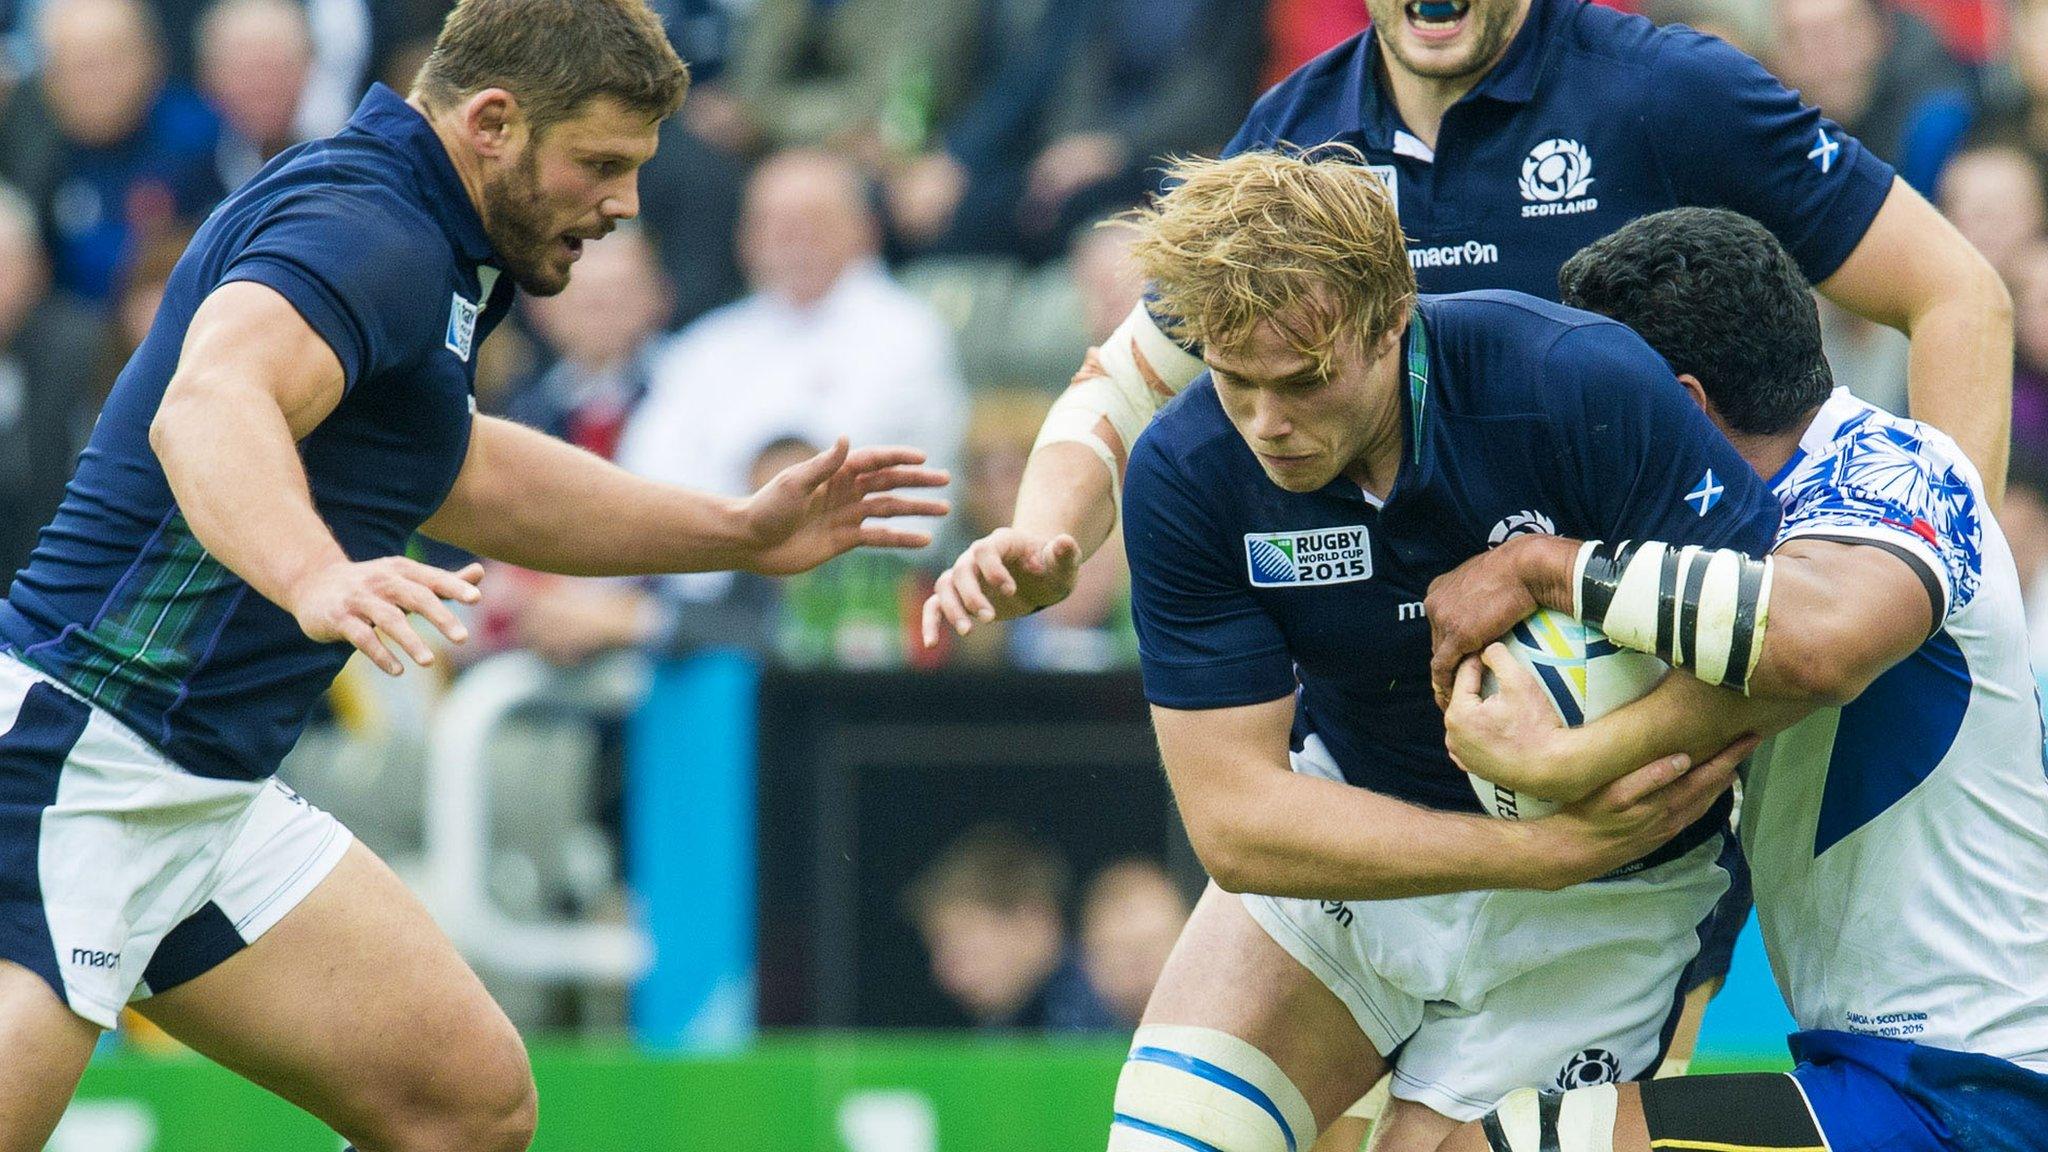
(122, 874)
(1475, 994)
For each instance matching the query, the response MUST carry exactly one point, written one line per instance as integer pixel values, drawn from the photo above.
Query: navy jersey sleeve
(1729, 135)
(351, 268)
(1203, 641)
(1654, 467)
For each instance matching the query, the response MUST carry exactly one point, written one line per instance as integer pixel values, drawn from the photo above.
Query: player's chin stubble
(1489, 38)
(515, 216)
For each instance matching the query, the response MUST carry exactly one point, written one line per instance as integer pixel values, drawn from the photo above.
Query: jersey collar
(1841, 412)
(1415, 404)
(1512, 81)
(385, 114)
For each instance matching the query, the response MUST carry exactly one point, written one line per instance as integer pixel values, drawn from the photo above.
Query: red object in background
(1298, 31)
(597, 426)
(1972, 29)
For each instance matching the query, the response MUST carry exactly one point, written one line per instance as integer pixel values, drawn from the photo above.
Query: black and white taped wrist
(1701, 609)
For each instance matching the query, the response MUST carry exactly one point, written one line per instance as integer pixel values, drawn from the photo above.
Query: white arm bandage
(1135, 371)
(1695, 608)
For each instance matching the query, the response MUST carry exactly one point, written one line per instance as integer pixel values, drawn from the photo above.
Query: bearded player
(236, 530)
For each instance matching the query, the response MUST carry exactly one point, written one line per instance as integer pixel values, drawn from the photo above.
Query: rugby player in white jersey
(1896, 818)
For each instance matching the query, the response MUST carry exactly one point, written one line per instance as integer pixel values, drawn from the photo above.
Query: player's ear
(1697, 391)
(1391, 342)
(493, 121)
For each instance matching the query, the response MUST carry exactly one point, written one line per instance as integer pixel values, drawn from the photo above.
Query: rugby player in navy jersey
(1352, 442)
(236, 530)
(1512, 133)
(1897, 817)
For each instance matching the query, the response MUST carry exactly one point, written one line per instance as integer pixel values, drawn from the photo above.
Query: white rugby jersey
(1900, 843)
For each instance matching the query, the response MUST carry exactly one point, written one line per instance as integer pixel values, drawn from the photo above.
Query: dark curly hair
(1716, 294)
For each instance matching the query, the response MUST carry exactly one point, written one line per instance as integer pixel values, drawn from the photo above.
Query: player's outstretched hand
(813, 511)
(1509, 738)
(1003, 575)
(1640, 812)
(1475, 603)
(366, 604)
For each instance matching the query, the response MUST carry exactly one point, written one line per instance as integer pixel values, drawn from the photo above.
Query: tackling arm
(1260, 827)
(1822, 648)
(1914, 272)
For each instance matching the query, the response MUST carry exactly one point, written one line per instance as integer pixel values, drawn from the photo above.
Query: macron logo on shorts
(87, 958)
(1306, 559)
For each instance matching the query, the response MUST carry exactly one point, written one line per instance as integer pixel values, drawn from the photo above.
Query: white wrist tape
(1123, 385)
(1695, 608)
(1581, 1120)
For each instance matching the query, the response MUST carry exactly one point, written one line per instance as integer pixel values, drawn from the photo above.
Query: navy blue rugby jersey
(372, 238)
(1520, 416)
(1592, 118)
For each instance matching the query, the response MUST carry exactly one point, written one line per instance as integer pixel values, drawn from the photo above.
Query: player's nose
(624, 202)
(1269, 420)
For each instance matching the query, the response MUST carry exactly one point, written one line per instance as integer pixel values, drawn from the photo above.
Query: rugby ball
(1586, 676)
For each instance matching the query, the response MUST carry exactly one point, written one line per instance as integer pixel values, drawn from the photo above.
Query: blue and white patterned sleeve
(1884, 487)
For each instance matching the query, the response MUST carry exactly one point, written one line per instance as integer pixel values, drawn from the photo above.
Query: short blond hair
(1309, 241)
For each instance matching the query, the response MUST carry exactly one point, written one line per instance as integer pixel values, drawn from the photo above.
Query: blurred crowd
(882, 219)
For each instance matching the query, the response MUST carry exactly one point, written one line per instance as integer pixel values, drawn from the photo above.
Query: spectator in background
(1996, 197)
(690, 201)
(47, 399)
(991, 912)
(826, 344)
(1882, 75)
(346, 36)
(1746, 24)
(1151, 78)
(867, 77)
(1131, 916)
(254, 59)
(2021, 109)
(961, 196)
(601, 330)
(1089, 95)
(2023, 516)
(107, 149)
(137, 293)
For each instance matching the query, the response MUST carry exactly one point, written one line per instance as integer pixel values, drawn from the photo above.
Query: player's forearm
(234, 469)
(1317, 839)
(1681, 714)
(537, 502)
(1959, 372)
(1915, 272)
(1071, 481)
(1066, 489)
